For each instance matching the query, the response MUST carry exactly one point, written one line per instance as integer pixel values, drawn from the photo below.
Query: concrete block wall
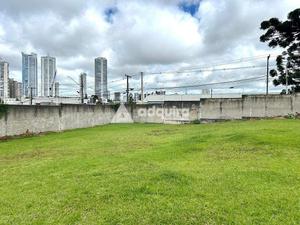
(271, 106)
(2, 126)
(221, 109)
(231, 108)
(279, 105)
(296, 104)
(35, 119)
(147, 113)
(169, 112)
(252, 106)
(180, 112)
(81, 116)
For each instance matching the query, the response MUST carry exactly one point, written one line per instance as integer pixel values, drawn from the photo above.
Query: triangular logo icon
(122, 115)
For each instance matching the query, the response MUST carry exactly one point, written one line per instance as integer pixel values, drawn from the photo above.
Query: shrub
(196, 121)
(3, 110)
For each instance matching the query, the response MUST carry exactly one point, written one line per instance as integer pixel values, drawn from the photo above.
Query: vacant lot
(224, 173)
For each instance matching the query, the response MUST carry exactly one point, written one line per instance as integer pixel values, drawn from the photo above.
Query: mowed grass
(245, 172)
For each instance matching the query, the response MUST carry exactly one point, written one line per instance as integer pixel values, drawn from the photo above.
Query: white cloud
(142, 35)
(148, 34)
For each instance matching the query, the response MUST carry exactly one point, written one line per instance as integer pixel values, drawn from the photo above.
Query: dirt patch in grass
(26, 155)
(161, 132)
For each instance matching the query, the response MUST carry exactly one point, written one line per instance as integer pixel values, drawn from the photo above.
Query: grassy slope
(230, 173)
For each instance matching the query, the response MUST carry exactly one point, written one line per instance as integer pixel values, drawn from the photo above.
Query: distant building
(82, 77)
(4, 80)
(117, 96)
(107, 95)
(206, 91)
(48, 69)
(29, 74)
(137, 97)
(12, 86)
(56, 89)
(101, 77)
(186, 98)
(19, 90)
(160, 92)
(51, 101)
(15, 89)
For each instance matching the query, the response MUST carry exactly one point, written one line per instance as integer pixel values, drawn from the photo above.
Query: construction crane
(74, 80)
(52, 84)
(80, 86)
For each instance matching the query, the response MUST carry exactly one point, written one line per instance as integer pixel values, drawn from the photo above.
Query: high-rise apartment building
(29, 74)
(101, 77)
(82, 78)
(19, 91)
(15, 89)
(4, 80)
(48, 70)
(12, 87)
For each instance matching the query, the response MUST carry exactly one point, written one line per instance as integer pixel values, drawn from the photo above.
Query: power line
(209, 84)
(118, 80)
(172, 80)
(219, 69)
(241, 81)
(234, 61)
(207, 70)
(190, 71)
(118, 85)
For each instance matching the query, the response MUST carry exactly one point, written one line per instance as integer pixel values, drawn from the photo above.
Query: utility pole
(286, 80)
(267, 81)
(81, 89)
(127, 88)
(142, 87)
(31, 96)
(51, 88)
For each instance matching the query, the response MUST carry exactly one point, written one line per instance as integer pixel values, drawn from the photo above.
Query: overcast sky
(136, 35)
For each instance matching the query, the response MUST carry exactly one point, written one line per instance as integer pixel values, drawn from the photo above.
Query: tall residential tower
(48, 69)
(29, 74)
(4, 80)
(82, 78)
(101, 77)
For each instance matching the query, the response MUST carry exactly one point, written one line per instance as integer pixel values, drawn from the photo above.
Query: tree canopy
(285, 34)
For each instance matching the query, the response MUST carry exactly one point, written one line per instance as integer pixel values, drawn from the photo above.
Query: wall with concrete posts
(167, 112)
(21, 119)
(252, 106)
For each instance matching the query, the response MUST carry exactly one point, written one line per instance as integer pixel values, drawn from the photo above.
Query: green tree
(285, 34)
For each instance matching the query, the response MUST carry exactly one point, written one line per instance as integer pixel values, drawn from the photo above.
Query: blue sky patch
(189, 7)
(109, 13)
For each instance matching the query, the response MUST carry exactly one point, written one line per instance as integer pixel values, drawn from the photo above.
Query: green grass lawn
(223, 173)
